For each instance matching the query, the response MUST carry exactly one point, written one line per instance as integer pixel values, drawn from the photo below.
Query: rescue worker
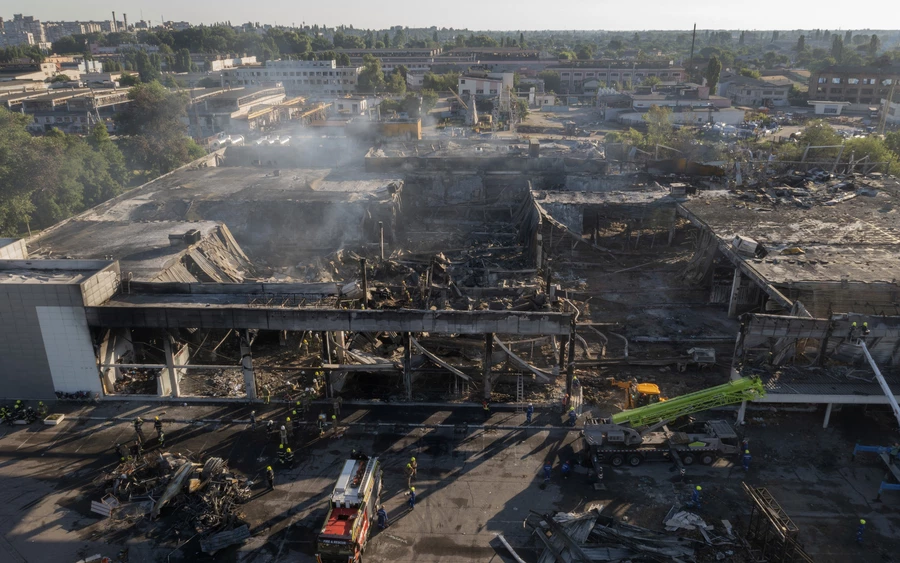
(253, 420)
(288, 427)
(854, 331)
(121, 452)
(289, 458)
(42, 409)
(409, 474)
(745, 444)
(412, 498)
(161, 438)
(860, 530)
(486, 409)
(138, 430)
(529, 412)
(270, 477)
(382, 517)
(415, 467)
(157, 425)
(283, 433)
(565, 401)
(745, 460)
(320, 422)
(573, 416)
(338, 403)
(5, 415)
(270, 426)
(696, 499)
(565, 469)
(865, 329)
(265, 393)
(281, 454)
(547, 470)
(575, 383)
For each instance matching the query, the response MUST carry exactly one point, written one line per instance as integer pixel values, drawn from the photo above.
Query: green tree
(651, 81)
(343, 59)
(128, 80)
(713, 70)
(659, 125)
(208, 82)
(152, 122)
(892, 142)
(147, 70)
(68, 45)
(371, 77)
(429, 100)
(801, 44)
(837, 48)
(585, 52)
(61, 78)
(395, 83)
(874, 46)
(182, 61)
(100, 141)
(552, 82)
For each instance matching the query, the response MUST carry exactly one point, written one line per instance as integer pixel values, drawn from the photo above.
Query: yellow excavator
(638, 394)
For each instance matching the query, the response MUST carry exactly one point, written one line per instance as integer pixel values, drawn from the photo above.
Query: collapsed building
(455, 270)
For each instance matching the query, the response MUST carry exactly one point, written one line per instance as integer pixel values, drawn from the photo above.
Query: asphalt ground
(472, 483)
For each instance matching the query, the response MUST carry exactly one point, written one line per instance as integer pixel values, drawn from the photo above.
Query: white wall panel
(67, 342)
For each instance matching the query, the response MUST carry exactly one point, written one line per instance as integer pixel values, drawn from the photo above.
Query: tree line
(47, 178)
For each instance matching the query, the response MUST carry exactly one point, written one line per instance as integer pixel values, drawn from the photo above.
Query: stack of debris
(593, 537)
(206, 497)
(137, 381)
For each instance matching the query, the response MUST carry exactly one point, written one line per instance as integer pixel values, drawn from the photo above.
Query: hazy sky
(486, 14)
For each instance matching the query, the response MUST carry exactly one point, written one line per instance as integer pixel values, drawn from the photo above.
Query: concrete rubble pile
(591, 536)
(137, 381)
(201, 500)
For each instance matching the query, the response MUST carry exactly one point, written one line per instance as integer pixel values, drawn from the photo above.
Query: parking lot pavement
(470, 486)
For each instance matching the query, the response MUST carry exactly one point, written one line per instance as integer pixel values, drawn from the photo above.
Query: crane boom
(744, 389)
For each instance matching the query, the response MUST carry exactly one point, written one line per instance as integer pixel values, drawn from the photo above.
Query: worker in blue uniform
(565, 469)
(529, 412)
(547, 470)
(696, 498)
(745, 460)
(860, 530)
(412, 498)
(573, 416)
(382, 517)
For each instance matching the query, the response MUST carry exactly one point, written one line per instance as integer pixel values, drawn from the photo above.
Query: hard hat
(269, 468)
(289, 450)
(862, 521)
(288, 419)
(157, 418)
(530, 404)
(866, 323)
(282, 427)
(854, 323)
(252, 412)
(413, 459)
(746, 451)
(281, 446)
(699, 488)
(333, 417)
(413, 489)
(571, 408)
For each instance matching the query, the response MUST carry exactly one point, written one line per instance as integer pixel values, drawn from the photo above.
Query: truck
(641, 434)
(351, 512)
(617, 444)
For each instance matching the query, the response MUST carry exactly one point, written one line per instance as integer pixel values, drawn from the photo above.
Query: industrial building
(299, 78)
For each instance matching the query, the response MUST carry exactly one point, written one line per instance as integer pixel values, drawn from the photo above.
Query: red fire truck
(351, 512)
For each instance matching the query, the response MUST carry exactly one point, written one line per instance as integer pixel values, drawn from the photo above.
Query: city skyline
(468, 14)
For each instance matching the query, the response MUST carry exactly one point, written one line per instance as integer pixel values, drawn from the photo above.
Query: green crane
(744, 389)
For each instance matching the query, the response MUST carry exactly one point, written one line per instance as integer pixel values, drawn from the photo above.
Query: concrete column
(247, 365)
(486, 364)
(563, 344)
(538, 250)
(407, 365)
(735, 290)
(827, 415)
(742, 411)
(173, 389)
(326, 359)
(570, 366)
(339, 346)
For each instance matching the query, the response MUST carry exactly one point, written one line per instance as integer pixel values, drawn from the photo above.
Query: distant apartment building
(307, 78)
(57, 30)
(22, 30)
(574, 75)
(862, 85)
(754, 92)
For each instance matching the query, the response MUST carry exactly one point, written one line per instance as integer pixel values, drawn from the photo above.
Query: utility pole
(887, 107)
(691, 61)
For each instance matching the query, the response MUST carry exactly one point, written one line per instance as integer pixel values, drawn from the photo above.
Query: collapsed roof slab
(168, 314)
